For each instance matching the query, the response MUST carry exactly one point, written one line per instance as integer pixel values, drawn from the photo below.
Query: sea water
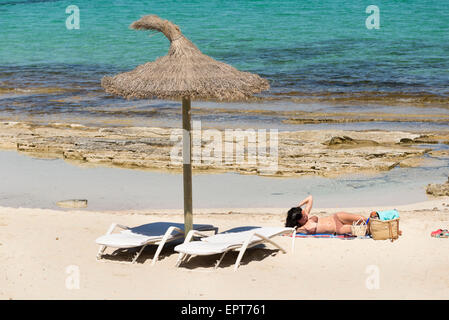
(51, 70)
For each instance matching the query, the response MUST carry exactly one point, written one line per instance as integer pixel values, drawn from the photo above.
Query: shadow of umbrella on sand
(183, 74)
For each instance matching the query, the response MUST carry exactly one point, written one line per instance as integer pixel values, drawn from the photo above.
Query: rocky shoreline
(317, 152)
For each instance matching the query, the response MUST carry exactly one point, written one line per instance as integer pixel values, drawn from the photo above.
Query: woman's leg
(349, 218)
(344, 229)
(344, 221)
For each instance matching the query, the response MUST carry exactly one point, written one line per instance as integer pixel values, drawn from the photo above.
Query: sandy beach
(41, 251)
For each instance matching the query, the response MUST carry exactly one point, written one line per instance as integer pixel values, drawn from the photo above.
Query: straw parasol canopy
(185, 73)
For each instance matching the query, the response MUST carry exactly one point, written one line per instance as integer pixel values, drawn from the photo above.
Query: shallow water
(92, 110)
(31, 182)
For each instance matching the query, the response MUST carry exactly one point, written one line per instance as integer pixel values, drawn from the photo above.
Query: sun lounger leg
(100, 252)
(158, 251)
(162, 243)
(183, 257)
(138, 254)
(221, 258)
(180, 259)
(102, 248)
(239, 258)
(242, 251)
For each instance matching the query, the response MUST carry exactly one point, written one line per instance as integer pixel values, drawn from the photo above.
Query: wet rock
(438, 190)
(443, 154)
(73, 155)
(406, 141)
(340, 140)
(426, 139)
(73, 203)
(322, 120)
(348, 141)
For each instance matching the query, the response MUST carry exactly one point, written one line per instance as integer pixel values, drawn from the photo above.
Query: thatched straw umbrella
(183, 74)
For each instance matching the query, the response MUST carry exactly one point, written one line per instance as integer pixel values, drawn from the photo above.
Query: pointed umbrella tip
(153, 22)
(144, 20)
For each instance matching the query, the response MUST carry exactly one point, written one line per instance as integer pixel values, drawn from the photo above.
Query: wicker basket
(359, 229)
(384, 230)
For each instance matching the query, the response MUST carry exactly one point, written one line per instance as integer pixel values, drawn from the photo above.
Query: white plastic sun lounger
(238, 239)
(157, 233)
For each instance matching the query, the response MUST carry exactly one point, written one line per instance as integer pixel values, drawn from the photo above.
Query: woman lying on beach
(338, 223)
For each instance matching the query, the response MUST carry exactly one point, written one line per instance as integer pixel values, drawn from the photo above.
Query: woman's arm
(301, 230)
(308, 228)
(308, 202)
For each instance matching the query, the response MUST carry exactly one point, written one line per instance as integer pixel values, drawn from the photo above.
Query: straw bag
(359, 229)
(383, 230)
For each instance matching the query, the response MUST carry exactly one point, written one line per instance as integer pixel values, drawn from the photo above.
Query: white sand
(37, 246)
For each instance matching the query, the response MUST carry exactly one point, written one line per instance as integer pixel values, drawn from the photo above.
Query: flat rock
(72, 203)
(311, 152)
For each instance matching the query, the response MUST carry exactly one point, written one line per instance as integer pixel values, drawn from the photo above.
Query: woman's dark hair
(293, 215)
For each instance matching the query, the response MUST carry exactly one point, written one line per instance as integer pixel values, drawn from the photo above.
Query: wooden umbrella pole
(187, 164)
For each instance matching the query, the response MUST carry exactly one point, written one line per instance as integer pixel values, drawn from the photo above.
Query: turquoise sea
(312, 52)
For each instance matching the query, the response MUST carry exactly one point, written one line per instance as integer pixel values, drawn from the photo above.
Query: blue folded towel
(388, 214)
